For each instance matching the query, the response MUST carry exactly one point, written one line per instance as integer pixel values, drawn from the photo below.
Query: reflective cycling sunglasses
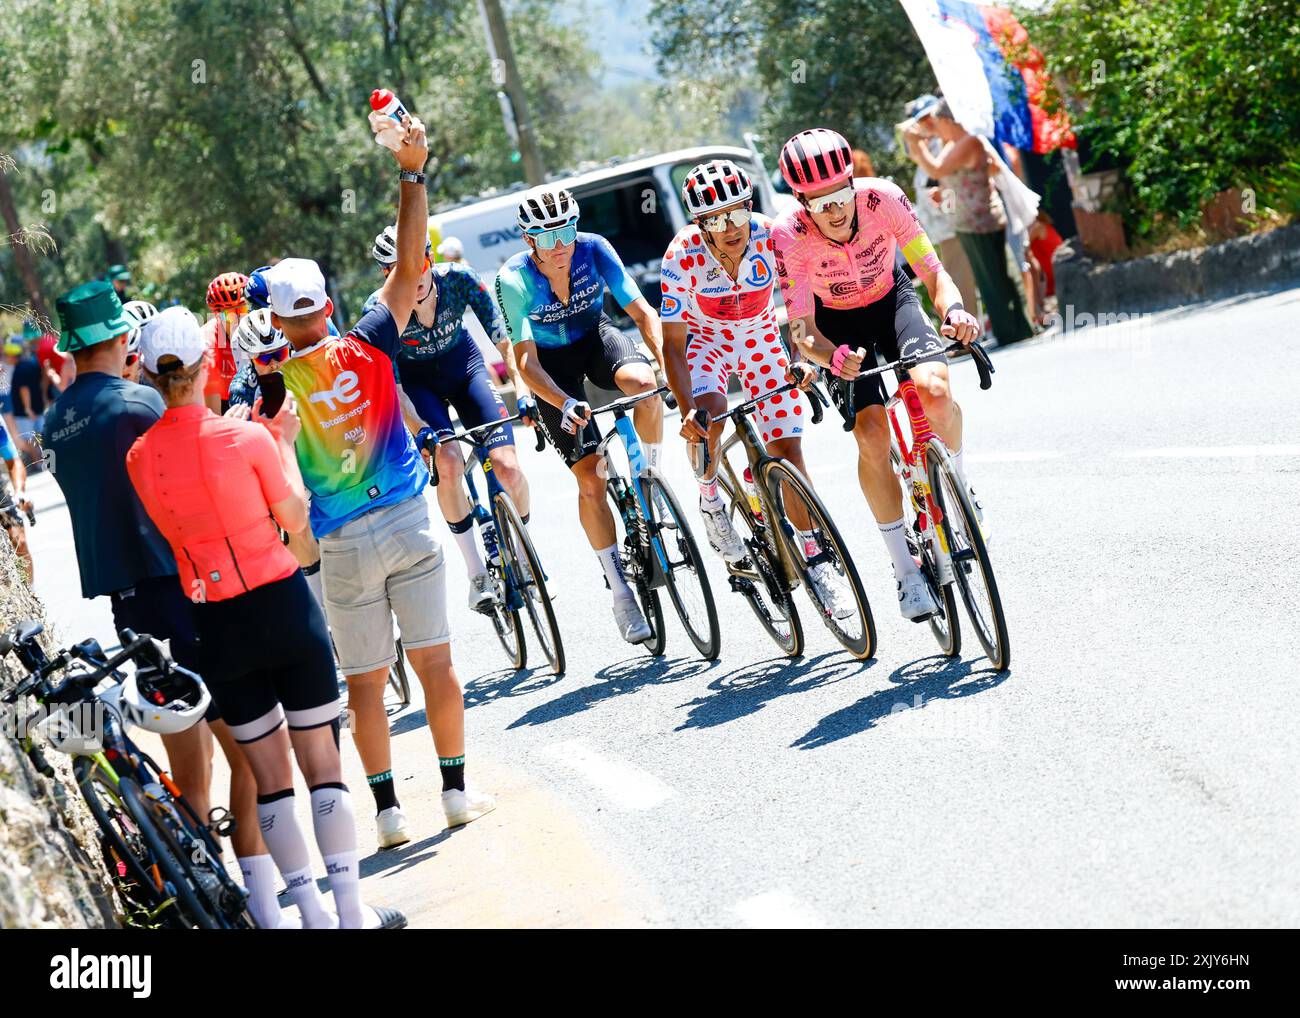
(547, 239)
(272, 356)
(844, 196)
(718, 223)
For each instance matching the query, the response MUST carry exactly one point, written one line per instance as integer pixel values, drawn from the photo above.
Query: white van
(636, 205)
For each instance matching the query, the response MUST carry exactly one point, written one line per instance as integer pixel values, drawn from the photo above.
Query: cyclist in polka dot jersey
(718, 279)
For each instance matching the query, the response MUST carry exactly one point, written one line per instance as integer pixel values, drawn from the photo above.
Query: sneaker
(830, 596)
(632, 625)
(481, 594)
(914, 598)
(463, 806)
(721, 534)
(392, 827)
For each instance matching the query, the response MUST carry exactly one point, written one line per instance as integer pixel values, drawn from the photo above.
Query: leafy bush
(1188, 97)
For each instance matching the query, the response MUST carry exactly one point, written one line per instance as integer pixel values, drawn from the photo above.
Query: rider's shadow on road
(930, 678)
(615, 680)
(748, 689)
(507, 682)
(392, 861)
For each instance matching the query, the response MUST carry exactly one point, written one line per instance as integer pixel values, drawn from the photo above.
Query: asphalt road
(1135, 766)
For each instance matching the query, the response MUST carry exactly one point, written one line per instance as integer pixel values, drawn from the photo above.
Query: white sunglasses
(718, 223)
(844, 196)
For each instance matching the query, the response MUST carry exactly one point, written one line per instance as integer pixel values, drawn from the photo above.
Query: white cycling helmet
(384, 249)
(164, 700)
(715, 185)
(256, 335)
(451, 249)
(547, 208)
(137, 312)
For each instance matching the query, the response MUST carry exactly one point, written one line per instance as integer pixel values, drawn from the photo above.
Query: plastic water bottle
(385, 103)
(488, 531)
(751, 492)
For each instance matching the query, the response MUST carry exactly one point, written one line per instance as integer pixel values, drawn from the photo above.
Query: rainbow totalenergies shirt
(354, 451)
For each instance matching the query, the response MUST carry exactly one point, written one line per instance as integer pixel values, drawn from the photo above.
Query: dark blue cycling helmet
(256, 293)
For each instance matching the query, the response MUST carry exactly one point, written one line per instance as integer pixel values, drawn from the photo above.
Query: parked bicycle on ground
(163, 861)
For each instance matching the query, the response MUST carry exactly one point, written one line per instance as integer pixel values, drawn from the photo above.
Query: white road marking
(1211, 452)
(1012, 457)
(777, 910)
(627, 786)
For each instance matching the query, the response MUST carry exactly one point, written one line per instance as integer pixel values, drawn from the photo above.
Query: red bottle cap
(380, 98)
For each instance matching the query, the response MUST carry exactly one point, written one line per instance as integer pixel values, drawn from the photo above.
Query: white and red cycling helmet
(815, 159)
(714, 185)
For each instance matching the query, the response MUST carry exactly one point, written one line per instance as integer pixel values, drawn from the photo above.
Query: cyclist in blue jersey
(440, 366)
(551, 297)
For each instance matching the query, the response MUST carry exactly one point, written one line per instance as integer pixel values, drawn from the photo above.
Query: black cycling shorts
(458, 378)
(597, 356)
(894, 326)
(158, 606)
(268, 658)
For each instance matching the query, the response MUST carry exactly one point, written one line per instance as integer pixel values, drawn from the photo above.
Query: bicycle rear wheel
(944, 624)
(971, 565)
(174, 867)
(398, 680)
(530, 579)
(688, 583)
(768, 595)
(853, 626)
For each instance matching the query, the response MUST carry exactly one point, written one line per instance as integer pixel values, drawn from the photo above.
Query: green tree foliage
(190, 137)
(846, 64)
(1188, 97)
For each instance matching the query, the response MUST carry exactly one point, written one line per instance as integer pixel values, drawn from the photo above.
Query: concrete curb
(1257, 262)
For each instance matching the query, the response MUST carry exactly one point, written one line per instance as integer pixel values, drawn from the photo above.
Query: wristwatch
(411, 176)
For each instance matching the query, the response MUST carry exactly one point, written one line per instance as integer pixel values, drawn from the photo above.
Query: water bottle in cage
(488, 531)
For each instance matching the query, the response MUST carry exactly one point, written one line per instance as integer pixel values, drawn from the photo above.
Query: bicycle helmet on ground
(815, 159)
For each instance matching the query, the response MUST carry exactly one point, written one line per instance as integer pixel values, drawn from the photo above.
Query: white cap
(292, 280)
(451, 248)
(173, 332)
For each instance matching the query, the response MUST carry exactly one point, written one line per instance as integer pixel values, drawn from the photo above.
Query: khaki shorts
(382, 564)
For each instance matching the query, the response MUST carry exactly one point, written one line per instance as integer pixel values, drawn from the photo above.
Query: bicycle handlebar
(979, 355)
(470, 437)
(631, 401)
(133, 646)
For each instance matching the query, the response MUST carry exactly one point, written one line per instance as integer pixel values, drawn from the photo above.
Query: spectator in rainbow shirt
(379, 557)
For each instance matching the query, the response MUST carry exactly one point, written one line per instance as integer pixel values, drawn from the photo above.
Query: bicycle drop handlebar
(470, 437)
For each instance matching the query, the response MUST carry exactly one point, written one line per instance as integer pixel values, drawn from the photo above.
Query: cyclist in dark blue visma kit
(550, 297)
(440, 366)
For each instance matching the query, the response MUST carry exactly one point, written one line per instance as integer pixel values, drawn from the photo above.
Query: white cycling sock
(467, 542)
(336, 837)
(288, 848)
(344, 871)
(613, 568)
(896, 541)
(259, 877)
(709, 497)
(652, 450)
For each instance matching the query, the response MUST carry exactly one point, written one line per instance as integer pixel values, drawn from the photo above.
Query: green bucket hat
(90, 314)
(118, 272)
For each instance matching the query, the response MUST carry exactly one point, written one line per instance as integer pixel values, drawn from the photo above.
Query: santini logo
(102, 972)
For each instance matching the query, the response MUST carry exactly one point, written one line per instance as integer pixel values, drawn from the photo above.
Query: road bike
(163, 861)
(779, 561)
(658, 549)
(943, 528)
(518, 579)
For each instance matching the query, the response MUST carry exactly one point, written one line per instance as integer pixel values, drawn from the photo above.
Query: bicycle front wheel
(688, 583)
(636, 564)
(828, 573)
(944, 624)
(971, 566)
(174, 868)
(530, 580)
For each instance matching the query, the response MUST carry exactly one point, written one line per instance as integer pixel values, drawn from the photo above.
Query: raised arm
(400, 289)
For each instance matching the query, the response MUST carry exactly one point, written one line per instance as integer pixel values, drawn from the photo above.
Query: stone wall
(1258, 262)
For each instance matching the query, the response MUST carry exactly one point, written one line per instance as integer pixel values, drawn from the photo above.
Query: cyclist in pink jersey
(718, 278)
(847, 301)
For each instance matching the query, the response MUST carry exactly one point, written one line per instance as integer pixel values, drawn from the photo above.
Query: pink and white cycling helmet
(815, 159)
